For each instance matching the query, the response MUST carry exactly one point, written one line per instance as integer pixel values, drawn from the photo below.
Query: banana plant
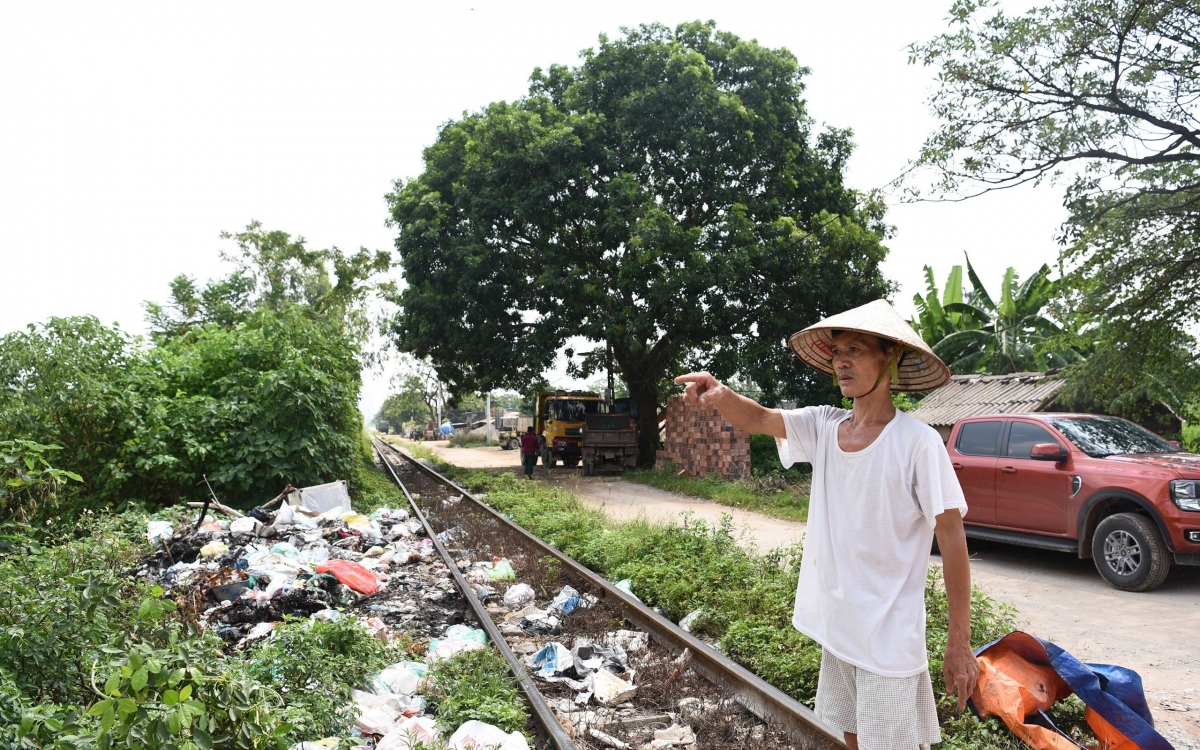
(933, 321)
(974, 333)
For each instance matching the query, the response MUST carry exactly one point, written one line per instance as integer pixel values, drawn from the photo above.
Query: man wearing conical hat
(882, 488)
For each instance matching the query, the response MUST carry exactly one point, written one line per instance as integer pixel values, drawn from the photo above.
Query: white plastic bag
(518, 595)
(410, 733)
(156, 530)
(478, 735)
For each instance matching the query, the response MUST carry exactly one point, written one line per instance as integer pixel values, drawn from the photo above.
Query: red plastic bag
(352, 574)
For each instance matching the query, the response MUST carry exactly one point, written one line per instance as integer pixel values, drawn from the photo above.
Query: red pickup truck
(1100, 487)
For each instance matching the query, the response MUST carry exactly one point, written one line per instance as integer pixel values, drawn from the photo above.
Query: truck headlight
(1186, 493)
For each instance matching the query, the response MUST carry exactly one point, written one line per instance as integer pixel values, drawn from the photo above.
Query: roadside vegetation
(746, 596)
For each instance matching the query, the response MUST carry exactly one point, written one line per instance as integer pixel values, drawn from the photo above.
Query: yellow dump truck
(558, 422)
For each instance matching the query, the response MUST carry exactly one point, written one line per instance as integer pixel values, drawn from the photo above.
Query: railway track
(733, 706)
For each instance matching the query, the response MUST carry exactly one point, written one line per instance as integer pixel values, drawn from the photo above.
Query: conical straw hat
(919, 370)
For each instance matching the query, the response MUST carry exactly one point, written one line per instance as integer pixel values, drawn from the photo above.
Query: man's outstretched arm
(960, 667)
(743, 413)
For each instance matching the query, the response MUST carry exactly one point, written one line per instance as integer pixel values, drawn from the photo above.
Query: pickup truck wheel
(1129, 553)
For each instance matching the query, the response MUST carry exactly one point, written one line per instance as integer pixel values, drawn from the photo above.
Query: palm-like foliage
(973, 333)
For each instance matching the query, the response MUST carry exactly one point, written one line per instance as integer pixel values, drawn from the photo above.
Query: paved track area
(1057, 596)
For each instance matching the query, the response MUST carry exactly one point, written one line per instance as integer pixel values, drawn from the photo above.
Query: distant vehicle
(558, 422)
(509, 430)
(1100, 487)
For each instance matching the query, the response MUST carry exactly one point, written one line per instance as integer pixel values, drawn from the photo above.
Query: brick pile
(698, 440)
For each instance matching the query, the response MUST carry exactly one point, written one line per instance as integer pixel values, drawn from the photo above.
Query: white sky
(131, 134)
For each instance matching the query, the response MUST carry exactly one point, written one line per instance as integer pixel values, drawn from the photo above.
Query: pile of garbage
(314, 557)
(602, 673)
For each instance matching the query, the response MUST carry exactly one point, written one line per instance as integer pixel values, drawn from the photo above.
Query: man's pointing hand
(702, 388)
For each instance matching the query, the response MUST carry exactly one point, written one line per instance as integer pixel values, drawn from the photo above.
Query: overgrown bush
(268, 401)
(29, 484)
(314, 666)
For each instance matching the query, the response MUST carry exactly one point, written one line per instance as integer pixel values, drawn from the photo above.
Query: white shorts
(887, 713)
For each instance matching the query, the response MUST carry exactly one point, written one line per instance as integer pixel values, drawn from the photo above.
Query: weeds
(476, 685)
(771, 495)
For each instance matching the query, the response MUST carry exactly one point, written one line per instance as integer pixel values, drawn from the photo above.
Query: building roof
(972, 395)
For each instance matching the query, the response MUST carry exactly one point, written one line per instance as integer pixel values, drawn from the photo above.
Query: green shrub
(314, 666)
(476, 685)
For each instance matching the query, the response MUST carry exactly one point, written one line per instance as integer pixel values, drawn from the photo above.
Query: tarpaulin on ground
(1021, 676)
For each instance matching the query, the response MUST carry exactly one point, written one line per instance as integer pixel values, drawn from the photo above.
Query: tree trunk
(644, 391)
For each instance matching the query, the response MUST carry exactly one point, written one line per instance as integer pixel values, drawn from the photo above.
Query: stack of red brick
(698, 440)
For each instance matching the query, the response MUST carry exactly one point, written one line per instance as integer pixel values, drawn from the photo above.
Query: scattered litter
(552, 660)
(261, 630)
(245, 525)
(626, 585)
(632, 641)
(351, 574)
(502, 571)
(687, 622)
(214, 549)
(478, 735)
(566, 601)
(402, 678)
(326, 744)
(611, 690)
(322, 497)
(156, 530)
(672, 736)
(411, 733)
(519, 595)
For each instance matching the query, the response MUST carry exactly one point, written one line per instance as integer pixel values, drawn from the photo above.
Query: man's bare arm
(960, 666)
(743, 413)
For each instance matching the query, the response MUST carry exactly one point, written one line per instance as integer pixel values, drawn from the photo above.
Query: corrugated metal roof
(972, 395)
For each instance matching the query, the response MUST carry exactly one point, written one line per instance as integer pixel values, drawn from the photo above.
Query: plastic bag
(518, 595)
(156, 530)
(244, 525)
(447, 649)
(566, 601)
(420, 730)
(553, 659)
(503, 571)
(351, 574)
(478, 735)
(286, 549)
(466, 633)
(214, 549)
(402, 678)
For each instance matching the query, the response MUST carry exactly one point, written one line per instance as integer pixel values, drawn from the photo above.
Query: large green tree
(1104, 96)
(666, 198)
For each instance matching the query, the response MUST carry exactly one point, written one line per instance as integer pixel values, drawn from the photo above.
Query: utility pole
(608, 396)
(488, 420)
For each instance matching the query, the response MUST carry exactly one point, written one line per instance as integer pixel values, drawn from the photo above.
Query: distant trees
(972, 332)
(1103, 95)
(666, 198)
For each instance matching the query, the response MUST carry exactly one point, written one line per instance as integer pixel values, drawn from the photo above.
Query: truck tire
(587, 468)
(547, 458)
(1129, 552)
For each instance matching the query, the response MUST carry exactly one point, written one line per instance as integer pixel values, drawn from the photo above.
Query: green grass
(747, 597)
(770, 489)
(476, 685)
(769, 496)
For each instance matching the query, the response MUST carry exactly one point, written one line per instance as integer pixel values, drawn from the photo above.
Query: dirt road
(1057, 596)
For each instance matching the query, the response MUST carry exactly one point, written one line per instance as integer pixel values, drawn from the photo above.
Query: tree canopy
(666, 198)
(1102, 95)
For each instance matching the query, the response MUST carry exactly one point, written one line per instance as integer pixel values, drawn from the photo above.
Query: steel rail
(542, 714)
(761, 698)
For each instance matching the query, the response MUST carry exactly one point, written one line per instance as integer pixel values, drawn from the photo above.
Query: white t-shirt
(871, 516)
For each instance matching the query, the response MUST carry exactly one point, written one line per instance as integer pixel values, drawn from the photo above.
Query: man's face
(858, 359)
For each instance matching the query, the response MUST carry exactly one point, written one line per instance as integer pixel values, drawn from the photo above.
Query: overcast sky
(132, 134)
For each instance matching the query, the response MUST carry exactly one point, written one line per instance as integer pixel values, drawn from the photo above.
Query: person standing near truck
(529, 446)
(882, 489)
